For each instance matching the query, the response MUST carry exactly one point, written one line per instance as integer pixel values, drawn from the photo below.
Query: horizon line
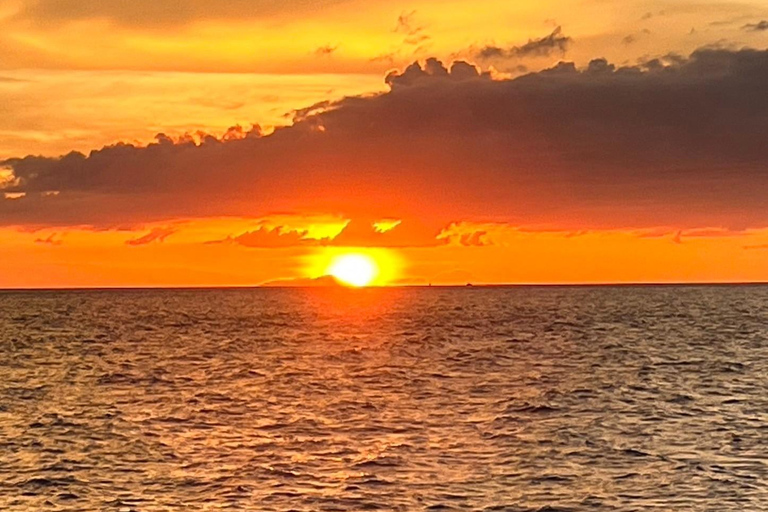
(313, 287)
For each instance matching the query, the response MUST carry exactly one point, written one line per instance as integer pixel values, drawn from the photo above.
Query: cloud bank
(676, 142)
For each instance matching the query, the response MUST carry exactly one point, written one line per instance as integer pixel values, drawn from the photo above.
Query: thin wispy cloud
(756, 27)
(554, 43)
(155, 235)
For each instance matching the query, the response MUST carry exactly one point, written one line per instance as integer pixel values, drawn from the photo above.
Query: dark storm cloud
(555, 42)
(433, 68)
(677, 142)
(166, 12)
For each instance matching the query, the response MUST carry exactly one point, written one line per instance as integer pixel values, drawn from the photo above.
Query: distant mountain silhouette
(302, 282)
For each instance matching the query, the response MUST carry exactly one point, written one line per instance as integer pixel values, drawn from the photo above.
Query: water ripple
(502, 399)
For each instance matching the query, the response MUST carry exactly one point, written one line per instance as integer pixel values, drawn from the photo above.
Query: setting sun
(354, 269)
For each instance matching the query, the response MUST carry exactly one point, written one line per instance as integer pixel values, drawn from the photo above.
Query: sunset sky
(244, 142)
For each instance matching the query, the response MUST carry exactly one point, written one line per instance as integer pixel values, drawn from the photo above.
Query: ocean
(518, 399)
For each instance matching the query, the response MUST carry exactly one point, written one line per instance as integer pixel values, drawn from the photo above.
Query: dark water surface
(519, 399)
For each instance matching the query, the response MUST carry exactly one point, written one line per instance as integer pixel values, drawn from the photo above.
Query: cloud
(406, 24)
(49, 240)
(678, 235)
(155, 235)
(149, 13)
(649, 15)
(672, 142)
(414, 73)
(756, 27)
(265, 237)
(326, 50)
(356, 233)
(468, 234)
(476, 239)
(384, 225)
(364, 232)
(555, 42)
(414, 34)
(10, 79)
(633, 38)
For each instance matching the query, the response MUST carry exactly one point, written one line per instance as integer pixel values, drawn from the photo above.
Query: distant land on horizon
(325, 282)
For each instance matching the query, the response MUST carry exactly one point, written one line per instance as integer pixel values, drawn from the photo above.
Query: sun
(355, 267)
(356, 270)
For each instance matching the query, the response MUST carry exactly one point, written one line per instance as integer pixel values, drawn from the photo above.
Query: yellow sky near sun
(83, 257)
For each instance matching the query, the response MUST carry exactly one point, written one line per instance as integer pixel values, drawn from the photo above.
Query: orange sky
(643, 161)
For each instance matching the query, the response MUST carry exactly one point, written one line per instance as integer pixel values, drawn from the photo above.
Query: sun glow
(354, 269)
